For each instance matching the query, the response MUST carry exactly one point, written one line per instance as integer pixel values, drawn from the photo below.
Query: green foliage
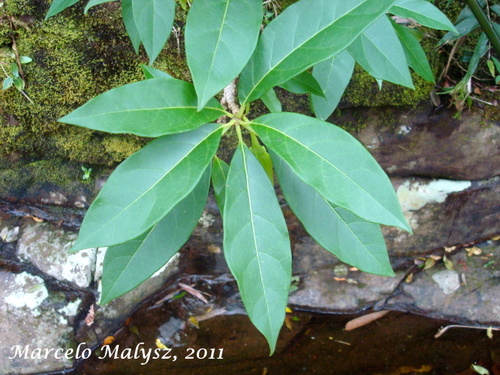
(11, 69)
(476, 15)
(151, 202)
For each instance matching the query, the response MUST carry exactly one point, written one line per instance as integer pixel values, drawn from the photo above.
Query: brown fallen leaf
(364, 320)
(193, 292)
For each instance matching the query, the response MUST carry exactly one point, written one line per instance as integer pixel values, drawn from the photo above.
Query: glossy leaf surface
(256, 244)
(423, 12)
(129, 264)
(146, 186)
(154, 20)
(93, 3)
(353, 240)
(306, 33)
(58, 6)
(415, 55)
(218, 50)
(334, 163)
(304, 83)
(271, 101)
(149, 108)
(333, 75)
(129, 21)
(379, 51)
(150, 72)
(220, 170)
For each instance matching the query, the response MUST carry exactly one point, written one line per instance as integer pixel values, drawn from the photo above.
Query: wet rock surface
(424, 142)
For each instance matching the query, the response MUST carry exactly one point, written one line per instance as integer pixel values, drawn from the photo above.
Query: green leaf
(480, 370)
(464, 27)
(379, 51)
(497, 63)
(334, 163)
(415, 55)
(304, 83)
(423, 12)
(271, 101)
(25, 59)
(495, 8)
(129, 21)
(7, 83)
(479, 51)
(150, 72)
(19, 83)
(353, 240)
(491, 67)
(220, 38)
(146, 186)
(333, 76)
(58, 6)
(14, 69)
(93, 3)
(131, 263)
(220, 170)
(256, 244)
(262, 156)
(154, 20)
(149, 108)
(306, 33)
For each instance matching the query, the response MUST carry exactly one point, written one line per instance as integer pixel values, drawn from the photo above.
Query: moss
(119, 147)
(22, 179)
(364, 91)
(75, 58)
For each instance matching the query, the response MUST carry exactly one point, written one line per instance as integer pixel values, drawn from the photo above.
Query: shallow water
(398, 343)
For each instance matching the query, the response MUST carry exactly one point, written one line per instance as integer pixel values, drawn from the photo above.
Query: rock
(9, 234)
(469, 293)
(31, 318)
(444, 213)
(420, 142)
(447, 280)
(46, 247)
(108, 316)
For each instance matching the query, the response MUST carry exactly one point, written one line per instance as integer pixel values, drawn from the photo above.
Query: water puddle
(217, 338)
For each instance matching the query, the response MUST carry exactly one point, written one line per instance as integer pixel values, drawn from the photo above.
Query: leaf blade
(93, 3)
(58, 6)
(146, 186)
(256, 244)
(271, 101)
(153, 20)
(218, 51)
(414, 53)
(150, 72)
(128, 20)
(220, 170)
(423, 12)
(281, 54)
(304, 83)
(379, 51)
(129, 264)
(333, 76)
(353, 240)
(149, 108)
(334, 163)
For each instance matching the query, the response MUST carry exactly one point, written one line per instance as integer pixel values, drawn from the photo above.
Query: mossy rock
(75, 57)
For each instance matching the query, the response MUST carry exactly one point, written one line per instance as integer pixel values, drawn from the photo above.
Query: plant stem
(485, 24)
